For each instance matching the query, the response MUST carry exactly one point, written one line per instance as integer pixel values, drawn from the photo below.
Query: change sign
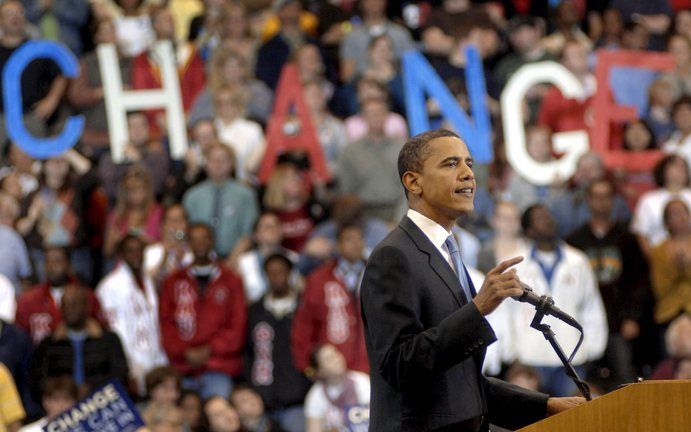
(107, 409)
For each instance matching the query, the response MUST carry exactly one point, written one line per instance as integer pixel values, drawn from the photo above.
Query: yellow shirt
(11, 409)
(671, 285)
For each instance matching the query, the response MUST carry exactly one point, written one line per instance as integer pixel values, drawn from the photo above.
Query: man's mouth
(468, 191)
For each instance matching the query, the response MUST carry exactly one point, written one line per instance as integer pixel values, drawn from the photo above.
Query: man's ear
(412, 182)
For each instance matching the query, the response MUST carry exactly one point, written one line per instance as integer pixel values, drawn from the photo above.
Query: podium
(649, 406)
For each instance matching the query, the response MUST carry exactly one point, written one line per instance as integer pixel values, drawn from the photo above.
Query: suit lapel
(436, 260)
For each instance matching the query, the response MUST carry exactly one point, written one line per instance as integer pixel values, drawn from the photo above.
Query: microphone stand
(550, 336)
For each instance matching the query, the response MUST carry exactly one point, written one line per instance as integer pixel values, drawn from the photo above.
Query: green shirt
(236, 211)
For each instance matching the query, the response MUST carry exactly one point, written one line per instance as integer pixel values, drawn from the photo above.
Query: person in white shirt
(672, 177)
(8, 302)
(172, 252)
(130, 302)
(335, 399)
(554, 268)
(244, 136)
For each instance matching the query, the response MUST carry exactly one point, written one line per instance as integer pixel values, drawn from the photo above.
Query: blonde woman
(229, 68)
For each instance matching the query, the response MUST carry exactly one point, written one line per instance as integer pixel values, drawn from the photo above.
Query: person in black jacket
(80, 348)
(622, 275)
(269, 364)
(425, 326)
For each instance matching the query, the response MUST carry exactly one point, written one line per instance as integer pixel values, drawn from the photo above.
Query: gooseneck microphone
(546, 304)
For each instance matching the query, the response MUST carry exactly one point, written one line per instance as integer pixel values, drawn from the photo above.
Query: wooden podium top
(650, 406)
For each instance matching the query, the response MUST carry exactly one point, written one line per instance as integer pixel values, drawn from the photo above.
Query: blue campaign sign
(420, 77)
(40, 148)
(106, 409)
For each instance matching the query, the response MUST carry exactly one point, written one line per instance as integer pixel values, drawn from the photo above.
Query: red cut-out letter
(606, 111)
(290, 105)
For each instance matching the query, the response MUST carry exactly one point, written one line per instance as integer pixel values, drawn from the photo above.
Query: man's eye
(470, 164)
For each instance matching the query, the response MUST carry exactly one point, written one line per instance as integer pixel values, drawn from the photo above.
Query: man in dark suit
(426, 339)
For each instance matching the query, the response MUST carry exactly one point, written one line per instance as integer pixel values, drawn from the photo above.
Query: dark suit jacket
(426, 345)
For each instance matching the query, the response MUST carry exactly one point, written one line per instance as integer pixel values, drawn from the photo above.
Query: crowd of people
(226, 304)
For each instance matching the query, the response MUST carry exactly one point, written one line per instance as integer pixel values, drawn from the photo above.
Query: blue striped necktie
(458, 265)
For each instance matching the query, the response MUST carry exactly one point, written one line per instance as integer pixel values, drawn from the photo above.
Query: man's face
(74, 305)
(601, 198)
(218, 165)
(57, 264)
(133, 253)
(375, 113)
(138, 128)
(268, 231)
(201, 242)
(12, 18)
(277, 274)
(351, 244)
(542, 226)
(373, 7)
(446, 185)
(524, 38)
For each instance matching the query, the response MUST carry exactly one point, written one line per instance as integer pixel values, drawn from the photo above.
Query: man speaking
(424, 321)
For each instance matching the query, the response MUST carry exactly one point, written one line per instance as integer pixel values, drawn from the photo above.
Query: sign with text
(107, 409)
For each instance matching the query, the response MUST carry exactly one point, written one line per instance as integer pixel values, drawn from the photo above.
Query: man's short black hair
(415, 150)
(280, 257)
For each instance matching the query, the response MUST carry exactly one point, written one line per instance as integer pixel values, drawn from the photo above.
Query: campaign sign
(356, 418)
(107, 409)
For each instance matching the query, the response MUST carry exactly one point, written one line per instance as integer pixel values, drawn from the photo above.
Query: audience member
(620, 268)
(191, 406)
(140, 151)
(244, 136)
(163, 385)
(136, 211)
(670, 262)
(79, 347)
(39, 308)
(337, 390)
(221, 416)
(367, 167)
(270, 366)
(250, 408)
(329, 310)
(680, 141)
(58, 395)
(266, 240)
(555, 268)
(373, 22)
(507, 241)
(288, 195)
(130, 302)
(203, 319)
(14, 256)
(173, 251)
(228, 206)
(672, 178)
(42, 86)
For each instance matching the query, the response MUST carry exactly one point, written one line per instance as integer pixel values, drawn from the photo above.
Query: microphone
(546, 305)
